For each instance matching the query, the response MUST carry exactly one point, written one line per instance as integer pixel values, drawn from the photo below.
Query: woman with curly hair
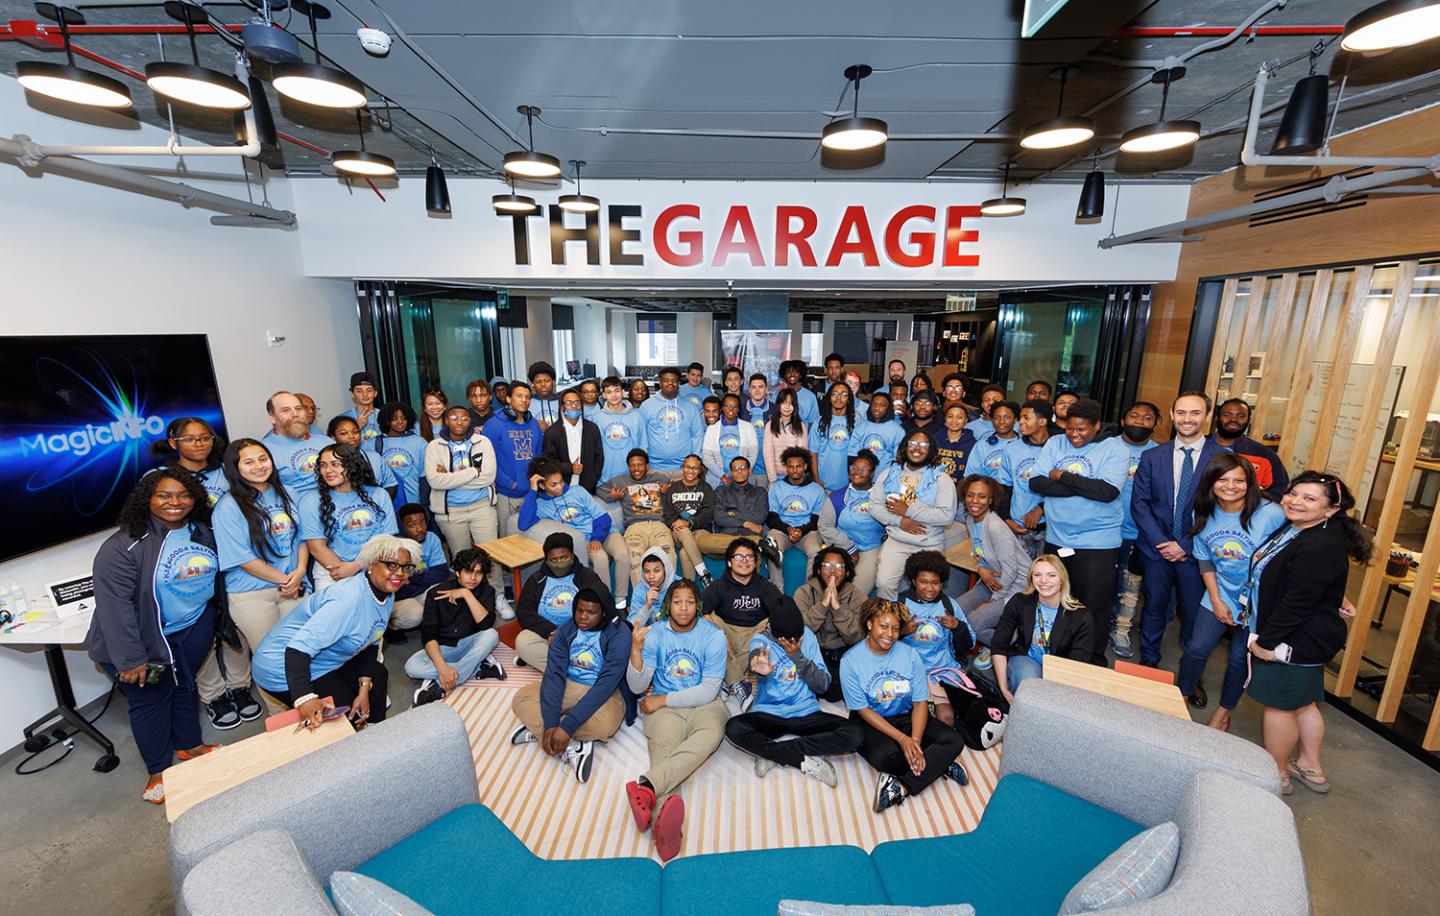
(344, 511)
(346, 431)
(154, 621)
(403, 451)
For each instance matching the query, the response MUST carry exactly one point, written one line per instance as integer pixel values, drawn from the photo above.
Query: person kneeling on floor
(582, 698)
(786, 726)
(548, 597)
(457, 630)
(683, 658)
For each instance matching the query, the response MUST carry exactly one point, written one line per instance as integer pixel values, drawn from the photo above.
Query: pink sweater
(775, 446)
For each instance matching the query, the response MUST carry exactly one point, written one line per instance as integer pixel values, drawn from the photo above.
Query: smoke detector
(374, 41)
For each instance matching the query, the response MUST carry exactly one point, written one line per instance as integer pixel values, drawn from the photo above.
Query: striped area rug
(726, 807)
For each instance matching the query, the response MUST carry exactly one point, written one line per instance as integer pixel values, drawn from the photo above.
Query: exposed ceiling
(598, 66)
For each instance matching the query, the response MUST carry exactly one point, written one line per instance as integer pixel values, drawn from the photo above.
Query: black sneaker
(744, 694)
(770, 551)
(222, 712)
(394, 637)
(888, 793)
(956, 773)
(246, 704)
(706, 580)
(427, 692)
(522, 735)
(492, 669)
(1199, 699)
(581, 756)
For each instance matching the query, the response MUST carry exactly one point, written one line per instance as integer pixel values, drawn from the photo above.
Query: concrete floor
(79, 842)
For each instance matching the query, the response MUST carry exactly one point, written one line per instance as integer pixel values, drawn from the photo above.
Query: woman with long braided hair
(345, 510)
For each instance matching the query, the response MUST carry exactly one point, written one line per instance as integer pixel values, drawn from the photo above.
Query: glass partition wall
(1341, 367)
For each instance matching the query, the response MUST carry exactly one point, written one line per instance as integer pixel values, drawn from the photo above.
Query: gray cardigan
(1003, 553)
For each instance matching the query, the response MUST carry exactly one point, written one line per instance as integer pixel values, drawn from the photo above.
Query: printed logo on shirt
(729, 441)
(670, 416)
(369, 432)
(459, 455)
(644, 497)
(948, 463)
(785, 671)
(522, 444)
(1025, 470)
(927, 630)
(794, 506)
(874, 444)
(562, 598)
(1077, 464)
(994, 460)
(1229, 544)
(585, 660)
(189, 569)
(839, 434)
(281, 523)
(682, 665)
(358, 517)
(398, 460)
(1130, 471)
(888, 686)
(303, 460)
(568, 514)
(909, 486)
(617, 432)
(862, 507)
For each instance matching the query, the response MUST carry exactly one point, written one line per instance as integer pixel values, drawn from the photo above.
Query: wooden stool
(514, 553)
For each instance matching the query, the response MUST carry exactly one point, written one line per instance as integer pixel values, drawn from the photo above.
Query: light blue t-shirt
(1016, 470)
(369, 430)
(782, 692)
(405, 457)
(981, 427)
(586, 657)
(460, 458)
(431, 552)
(795, 505)
(695, 394)
(384, 478)
(758, 416)
(856, 522)
(330, 626)
(977, 541)
(545, 410)
(1229, 545)
(184, 580)
(930, 638)
(882, 438)
(988, 455)
(232, 540)
(214, 483)
(832, 452)
(354, 521)
(683, 660)
(1074, 521)
(889, 684)
(619, 433)
(557, 598)
(296, 459)
(729, 445)
(673, 431)
(1044, 628)
(1128, 531)
(809, 406)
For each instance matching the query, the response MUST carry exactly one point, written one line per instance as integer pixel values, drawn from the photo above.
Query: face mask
(560, 569)
(572, 414)
(1136, 433)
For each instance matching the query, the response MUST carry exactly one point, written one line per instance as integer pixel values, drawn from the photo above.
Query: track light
(577, 202)
(192, 83)
(1392, 24)
(1302, 126)
(1092, 195)
(1059, 132)
(513, 203)
(855, 133)
(437, 194)
(67, 82)
(317, 84)
(528, 163)
(1003, 205)
(264, 121)
(1162, 135)
(361, 162)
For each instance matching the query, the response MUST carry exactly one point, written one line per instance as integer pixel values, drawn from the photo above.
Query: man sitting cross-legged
(457, 630)
(581, 699)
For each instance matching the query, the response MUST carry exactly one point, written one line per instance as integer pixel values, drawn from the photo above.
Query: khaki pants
(507, 513)
(810, 543)
(407, 613)
(680, 741)
(532, 648)
(601, 726)
(471, 526)
(254, 614)
(714, 545)
(737, 648)
(640, 537)
(890, 568)
(691, 559)
(867, 562)
(208, 681)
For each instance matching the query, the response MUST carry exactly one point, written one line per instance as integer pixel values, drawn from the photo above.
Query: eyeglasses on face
(195, 440)
(392, 566)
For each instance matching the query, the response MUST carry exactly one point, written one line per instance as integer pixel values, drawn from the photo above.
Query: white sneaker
(819, 768)
(522, 735)
(580, 756)
(763, 765)
(503, 608)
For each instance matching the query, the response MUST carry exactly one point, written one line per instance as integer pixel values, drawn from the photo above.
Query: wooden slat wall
(1279, 324)
(1382, 364)
(1304, 359)
(1416, 608)
(1222, 335)
(1342, 354)
(1253, 315)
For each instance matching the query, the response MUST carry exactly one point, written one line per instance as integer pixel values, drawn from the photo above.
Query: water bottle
(5, 600)
(19, 605)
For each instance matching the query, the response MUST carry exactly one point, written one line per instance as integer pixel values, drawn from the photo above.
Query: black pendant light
(577, 202)
(192, 83)
(1059, 132)
(855, 133)
(1092, 194)
(264, 121)
(528, 163)
(1162, 135)
(361, 162)
(316, 84)
(67, 82)
(513, 203)
(1392, 24)
(437, 195)
(1302, 126)
(1003, 205)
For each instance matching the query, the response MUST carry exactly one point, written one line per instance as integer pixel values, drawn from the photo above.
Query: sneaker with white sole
(222, 712)
(580, 756)
(820, 769)
(522, 735)
(983, 660)
(888, 793)
(763, 765)
(1120, 642)
(743, 693)
(246, 704)
(427, 692)
(503, 608)
(491, 668)
(956, 773)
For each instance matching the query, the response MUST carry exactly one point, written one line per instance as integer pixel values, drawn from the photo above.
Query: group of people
(326, 545)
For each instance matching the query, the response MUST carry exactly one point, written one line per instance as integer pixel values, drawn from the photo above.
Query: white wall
(81, 258)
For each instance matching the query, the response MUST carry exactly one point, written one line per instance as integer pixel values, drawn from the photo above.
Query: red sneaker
(668, 828)
(642, 803)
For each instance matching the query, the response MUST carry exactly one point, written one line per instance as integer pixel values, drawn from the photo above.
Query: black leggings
(1092, 582)
(941, 744)
(816, 735)
(344, 682)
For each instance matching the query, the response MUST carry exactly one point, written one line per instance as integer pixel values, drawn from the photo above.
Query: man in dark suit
(575, 441)
(1163, 506)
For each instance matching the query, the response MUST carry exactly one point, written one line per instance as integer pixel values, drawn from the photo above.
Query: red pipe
(1206, 31)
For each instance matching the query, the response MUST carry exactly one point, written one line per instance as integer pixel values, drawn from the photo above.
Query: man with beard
(292, 446)
(1136, 426)
(1232, 419)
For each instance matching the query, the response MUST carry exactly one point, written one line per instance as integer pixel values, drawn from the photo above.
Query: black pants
(817, 734)
(833, 693)
(941, 744)
(165, 716)
(1092, 582)
(344, 683)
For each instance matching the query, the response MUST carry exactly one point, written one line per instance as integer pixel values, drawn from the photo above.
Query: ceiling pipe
(1203, 31)
(764, 134)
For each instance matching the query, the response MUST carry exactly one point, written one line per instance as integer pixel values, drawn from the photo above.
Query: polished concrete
(77, 841)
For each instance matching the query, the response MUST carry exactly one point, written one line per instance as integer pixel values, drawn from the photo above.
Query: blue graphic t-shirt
(1044, 628)
(184, 580)
(431, 553)
(809, 406)
(369, 430)
(214, 483)
(330, 626)
(882, 438)
(619, 433)
(586, 657)
(296, 459)
(232, 541)
(782, 692)
(729, 442)
(832, 452)
(673, 429)
(988, 455)
(758, 416)
(405, 457)
(354, 521)
(695, 395)
(889, 684)
(977, 541)
(460, 458)
(1229, 545)
(930, 638)
(683, 660)
(557, 599)
(1016, 470)
(1128, 531)
(795, 505)
(1074, 521)
(856, 521)
(383, 476)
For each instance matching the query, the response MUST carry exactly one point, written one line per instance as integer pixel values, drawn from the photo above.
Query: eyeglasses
(392, 566)
(745, 557)
(832, 565)
(195, 440)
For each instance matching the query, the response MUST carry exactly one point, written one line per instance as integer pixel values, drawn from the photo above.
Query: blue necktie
(1187, 473)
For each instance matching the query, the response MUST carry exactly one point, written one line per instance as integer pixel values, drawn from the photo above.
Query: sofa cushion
(469, 862)
(809, 908)
(1032, 845)
(1138, 870)
(359, 895)
(730, 883)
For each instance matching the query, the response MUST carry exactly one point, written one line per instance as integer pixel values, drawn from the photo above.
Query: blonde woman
(1044, 619)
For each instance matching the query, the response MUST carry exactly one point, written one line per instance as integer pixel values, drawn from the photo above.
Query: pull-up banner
(702, 233)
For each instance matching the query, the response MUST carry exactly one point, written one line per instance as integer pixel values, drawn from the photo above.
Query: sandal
(155, 794)
(1286, 787)
(1308, 778)
(186, 755)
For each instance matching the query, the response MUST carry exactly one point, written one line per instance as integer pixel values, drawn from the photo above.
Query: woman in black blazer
(556, 444)
(1021, 641)
(1295, 590)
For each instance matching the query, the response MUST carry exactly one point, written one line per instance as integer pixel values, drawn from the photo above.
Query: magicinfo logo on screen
(82, 441)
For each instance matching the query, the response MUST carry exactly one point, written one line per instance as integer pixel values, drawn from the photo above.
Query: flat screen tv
(79, 417)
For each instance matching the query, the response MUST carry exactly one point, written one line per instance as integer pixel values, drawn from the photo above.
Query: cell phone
(154, 671)
(334, 713)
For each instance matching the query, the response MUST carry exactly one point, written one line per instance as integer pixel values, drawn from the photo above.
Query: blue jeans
(1020, 668)
(1208, 631)
(465, 657)
(1161, 578)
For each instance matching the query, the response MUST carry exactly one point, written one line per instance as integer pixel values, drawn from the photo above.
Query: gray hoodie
(642, 612)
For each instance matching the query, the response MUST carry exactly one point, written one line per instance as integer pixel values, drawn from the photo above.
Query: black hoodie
(741, 605)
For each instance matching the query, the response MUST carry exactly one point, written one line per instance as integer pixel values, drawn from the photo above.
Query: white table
(52, 634)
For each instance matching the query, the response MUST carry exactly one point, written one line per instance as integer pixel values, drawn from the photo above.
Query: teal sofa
(1081, 774)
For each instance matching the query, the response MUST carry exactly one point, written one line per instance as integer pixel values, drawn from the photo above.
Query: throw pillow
(1136, 871)
(356, 895)
(810, 908)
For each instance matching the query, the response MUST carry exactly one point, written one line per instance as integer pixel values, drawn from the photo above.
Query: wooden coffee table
(191, 782)
(1162, 698)
(514, 553)
(962, 557)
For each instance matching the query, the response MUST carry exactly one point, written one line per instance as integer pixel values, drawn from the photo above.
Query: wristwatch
(367, 683)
